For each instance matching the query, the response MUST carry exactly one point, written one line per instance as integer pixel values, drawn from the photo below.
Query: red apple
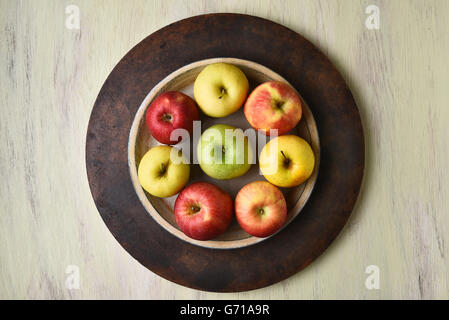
(169, 111)
(203, 211)
(260, 208)
(273, 105)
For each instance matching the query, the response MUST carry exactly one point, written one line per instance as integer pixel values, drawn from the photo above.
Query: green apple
(224, 152)
(161, 173)
(287, 161)
(220, 89)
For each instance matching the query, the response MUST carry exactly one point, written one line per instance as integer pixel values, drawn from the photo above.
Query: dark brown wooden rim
(308, 70)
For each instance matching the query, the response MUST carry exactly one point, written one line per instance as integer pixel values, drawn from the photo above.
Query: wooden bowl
(140, 141)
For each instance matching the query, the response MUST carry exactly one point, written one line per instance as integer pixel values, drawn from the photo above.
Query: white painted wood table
(51, 74)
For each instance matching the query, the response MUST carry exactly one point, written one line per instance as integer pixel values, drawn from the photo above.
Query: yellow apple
(161, 173)
(287, 161)
(220, 89)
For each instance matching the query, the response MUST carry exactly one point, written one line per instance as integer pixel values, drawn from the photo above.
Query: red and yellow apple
(203, 211)
(287, 161)
(260, 209)
(273, 105)
(220, 89)
(170, 111)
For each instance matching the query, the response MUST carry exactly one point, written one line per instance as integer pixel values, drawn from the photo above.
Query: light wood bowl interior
(140, 141)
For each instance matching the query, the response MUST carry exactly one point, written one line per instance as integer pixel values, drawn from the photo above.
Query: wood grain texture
(50, 77)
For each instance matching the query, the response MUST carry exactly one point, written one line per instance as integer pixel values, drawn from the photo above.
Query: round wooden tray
(306, 69)
(140, 141)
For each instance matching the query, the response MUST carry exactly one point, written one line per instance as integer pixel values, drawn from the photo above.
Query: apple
(161, 173)
(287, 161)
(203, 211)
(220, 89)
(273, 105)
(260, 209)
(169, 111)
(224, 152)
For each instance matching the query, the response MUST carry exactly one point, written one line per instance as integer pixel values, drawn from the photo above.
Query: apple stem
(286, 160)
(195, 209)
(222, 92)
(167, 117)
(163, 169)
(278, 104)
